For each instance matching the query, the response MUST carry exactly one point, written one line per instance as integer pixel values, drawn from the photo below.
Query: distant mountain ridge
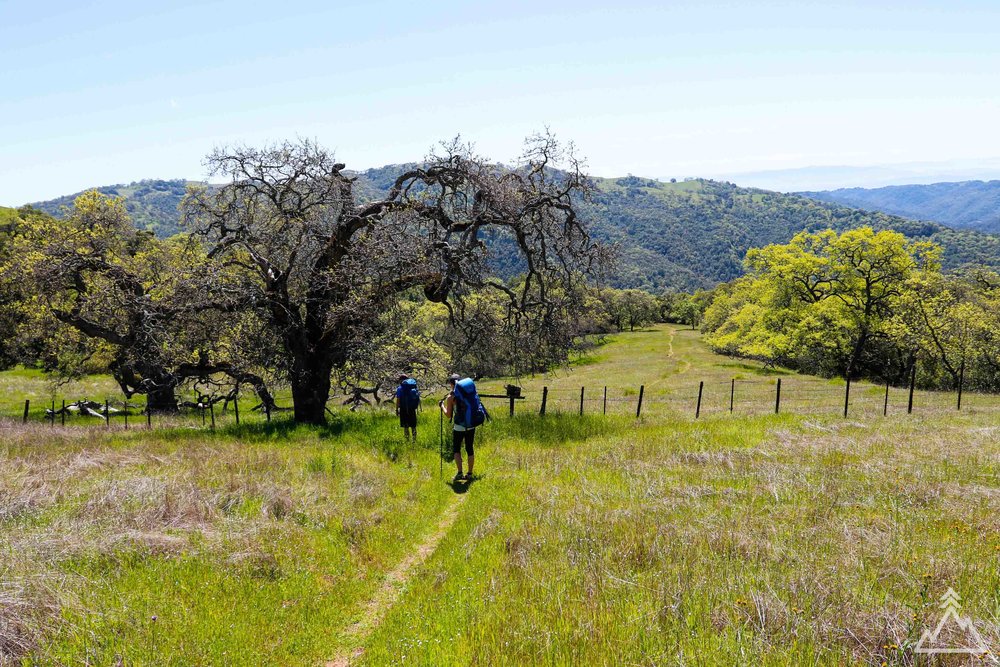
(682, 235)
(834, 177)
(963, 205)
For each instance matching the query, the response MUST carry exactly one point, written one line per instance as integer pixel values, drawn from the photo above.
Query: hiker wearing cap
(463, 407)
(407, 402)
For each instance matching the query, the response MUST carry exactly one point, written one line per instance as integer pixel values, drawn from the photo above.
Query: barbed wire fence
(694, 399)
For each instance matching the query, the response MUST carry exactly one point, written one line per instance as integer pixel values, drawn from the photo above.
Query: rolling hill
(682, 235)
(695, 233)
(963, 205)
(152, 204)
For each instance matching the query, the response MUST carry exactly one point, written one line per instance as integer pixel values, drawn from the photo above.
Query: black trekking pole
(441, 440)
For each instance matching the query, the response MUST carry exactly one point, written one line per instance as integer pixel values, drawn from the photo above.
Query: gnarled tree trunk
(161, 400)
(311, 381)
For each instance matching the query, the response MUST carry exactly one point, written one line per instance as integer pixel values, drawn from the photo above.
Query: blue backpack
(469, 410)
(409, 396)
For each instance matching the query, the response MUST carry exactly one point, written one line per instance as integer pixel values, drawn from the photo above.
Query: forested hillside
(152, 204)
(964, 205)
(683, 235)
(696, 233)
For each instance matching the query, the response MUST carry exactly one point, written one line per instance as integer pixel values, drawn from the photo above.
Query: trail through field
(393, 587)
(683, 365)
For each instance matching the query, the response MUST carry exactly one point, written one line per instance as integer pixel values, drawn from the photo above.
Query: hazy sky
(96, 93)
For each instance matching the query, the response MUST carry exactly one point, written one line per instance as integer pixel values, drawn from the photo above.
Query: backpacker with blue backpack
(409, 395)
(469, 410)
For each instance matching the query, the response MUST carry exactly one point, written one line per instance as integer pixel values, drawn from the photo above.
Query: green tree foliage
(94, 285)
(684, 308)
(12, 290)
(407, 341)
(824, 302)
(629, 308)
(952, 322)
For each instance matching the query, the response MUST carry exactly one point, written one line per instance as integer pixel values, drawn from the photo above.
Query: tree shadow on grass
(337, 425)
(756, 370)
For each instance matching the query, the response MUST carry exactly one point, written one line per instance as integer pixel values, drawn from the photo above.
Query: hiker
(463, 407)
(407, 402)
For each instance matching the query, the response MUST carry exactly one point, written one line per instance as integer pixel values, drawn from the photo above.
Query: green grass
(758, 540)
(753, 538)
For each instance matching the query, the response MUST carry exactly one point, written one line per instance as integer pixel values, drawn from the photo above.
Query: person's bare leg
(458, 461)
(472, 460)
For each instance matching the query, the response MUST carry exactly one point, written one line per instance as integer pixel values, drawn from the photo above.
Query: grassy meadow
(743, 538)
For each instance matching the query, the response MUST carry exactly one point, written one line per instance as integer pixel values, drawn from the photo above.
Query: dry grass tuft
(364, 488)
(28, 608)
(484, 528)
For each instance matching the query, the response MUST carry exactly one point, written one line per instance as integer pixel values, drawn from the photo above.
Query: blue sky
(107, 92)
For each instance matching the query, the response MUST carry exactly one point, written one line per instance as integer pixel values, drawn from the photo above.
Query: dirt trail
(682, 364)
(393, 586)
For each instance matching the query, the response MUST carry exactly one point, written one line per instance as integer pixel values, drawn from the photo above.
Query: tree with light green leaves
(156, 311)
(627, 309)
(821, 302)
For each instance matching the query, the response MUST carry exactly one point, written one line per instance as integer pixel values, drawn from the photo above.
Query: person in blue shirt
(406, 410)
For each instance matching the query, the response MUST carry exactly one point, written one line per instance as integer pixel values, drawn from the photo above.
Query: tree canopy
(860, 304)
(318, 263)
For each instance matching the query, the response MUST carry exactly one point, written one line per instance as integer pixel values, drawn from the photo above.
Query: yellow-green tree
(822, 301)
(94, 282)
(952, 322)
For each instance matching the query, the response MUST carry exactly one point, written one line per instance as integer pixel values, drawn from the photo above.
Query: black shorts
(456, 441)
(408, 418)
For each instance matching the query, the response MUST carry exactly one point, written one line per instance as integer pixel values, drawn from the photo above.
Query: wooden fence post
(605, 399)
(107, 413)
(913, 382)
(581, 400)
(202, 403)
(545, 399)
(149, 418)
(211, 407)
(732, 394)
(847, 395)
(697, 410)
(777, 398)
(236, 409)
(638, 409)
(511, 406)
(63, 413)
(52, 418)
(885, 406)
(27, 402)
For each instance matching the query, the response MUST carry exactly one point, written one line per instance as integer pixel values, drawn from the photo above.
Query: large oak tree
(320, 262)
